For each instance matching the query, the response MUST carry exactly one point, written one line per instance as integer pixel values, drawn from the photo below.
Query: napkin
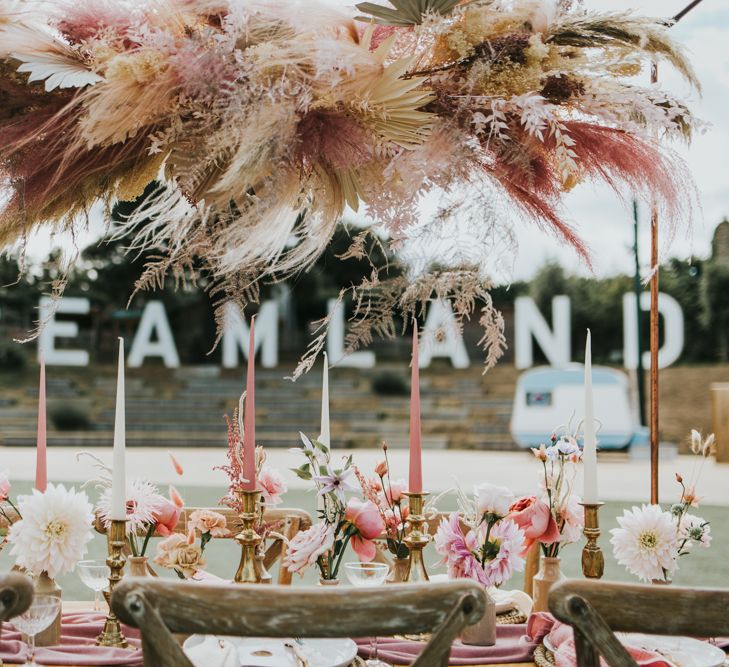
(512, 645)
(213, 652)
(561, 637)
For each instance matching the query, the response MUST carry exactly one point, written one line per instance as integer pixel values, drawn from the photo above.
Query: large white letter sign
(154, 320)
(52, 329)
(335, 341)
(442, 338)
(672, 328)
(235, 336)
(528, 323)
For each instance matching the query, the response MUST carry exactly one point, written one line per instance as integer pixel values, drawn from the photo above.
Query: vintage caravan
(548, 399)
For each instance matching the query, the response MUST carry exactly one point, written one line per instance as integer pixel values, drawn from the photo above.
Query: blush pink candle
(249, 422)
(415, 484)
(41, 462)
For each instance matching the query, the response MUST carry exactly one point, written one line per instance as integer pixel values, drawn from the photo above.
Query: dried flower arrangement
(261, 121)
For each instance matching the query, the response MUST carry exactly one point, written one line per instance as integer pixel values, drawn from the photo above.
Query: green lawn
(706, 567)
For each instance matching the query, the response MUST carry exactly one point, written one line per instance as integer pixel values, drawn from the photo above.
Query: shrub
(390, 384)
(70, 417)
(11, 357)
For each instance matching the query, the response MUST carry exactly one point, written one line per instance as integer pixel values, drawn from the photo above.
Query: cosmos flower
(336, 482)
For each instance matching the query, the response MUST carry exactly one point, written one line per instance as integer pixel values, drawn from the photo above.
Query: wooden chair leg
(158, 645)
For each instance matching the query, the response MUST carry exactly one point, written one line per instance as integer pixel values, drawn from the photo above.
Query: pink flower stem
(150, 532)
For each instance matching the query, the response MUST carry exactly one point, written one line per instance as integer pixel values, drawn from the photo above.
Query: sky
(603, 220)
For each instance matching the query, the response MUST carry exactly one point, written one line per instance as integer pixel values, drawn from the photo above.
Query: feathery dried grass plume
(263, 121)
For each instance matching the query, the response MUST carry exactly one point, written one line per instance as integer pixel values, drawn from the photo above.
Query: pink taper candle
(249, 422)
(41, 464)
(415, 484)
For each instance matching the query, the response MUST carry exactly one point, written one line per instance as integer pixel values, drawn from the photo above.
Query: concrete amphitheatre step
(186, 408)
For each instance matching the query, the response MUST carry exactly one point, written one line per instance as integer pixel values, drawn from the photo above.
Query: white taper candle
(589, 454)
(118, 480)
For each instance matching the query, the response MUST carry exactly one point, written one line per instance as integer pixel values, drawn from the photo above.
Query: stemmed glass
(363, 575)
(41, 613)
(95, 575)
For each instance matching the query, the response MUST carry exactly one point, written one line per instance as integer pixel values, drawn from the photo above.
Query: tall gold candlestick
(593, 561)
(417, 539)
(112, 635)
(251, 569)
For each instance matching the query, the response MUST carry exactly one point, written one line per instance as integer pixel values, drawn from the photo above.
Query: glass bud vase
(549, 574)
(51, 636)
(328, 582)
(482, 633)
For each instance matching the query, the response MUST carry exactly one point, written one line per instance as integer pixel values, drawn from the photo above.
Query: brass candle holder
(112, 635)
(593, 561)
(251, 569)
(416, 539)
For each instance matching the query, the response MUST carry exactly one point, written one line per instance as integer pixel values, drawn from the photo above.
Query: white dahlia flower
(54, 531)
(646, 543)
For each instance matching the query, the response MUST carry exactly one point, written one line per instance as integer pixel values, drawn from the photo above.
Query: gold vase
(51, 636)
(398, 570)
(482, 633)
(137, 566)
(549, 574)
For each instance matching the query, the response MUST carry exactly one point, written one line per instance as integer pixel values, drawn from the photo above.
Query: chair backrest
(159, 608)
(596, 610)
(16, 594)
(291, 521)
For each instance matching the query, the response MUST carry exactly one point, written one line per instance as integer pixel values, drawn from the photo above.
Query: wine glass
(41, 613)
(363, 575)
(95, 575)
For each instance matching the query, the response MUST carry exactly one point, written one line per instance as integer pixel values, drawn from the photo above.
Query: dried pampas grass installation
(263, 120)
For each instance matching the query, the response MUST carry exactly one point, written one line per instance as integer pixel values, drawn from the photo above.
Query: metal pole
(638, 288)
(654, 321)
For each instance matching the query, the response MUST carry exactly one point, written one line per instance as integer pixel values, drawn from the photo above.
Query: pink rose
(4, 486)
(166, 514)
(272, 485)
(304, 549)
(381, 469)
(394, 490)
(207, 521)
(177, 553)
(366, 519)
(535, 519)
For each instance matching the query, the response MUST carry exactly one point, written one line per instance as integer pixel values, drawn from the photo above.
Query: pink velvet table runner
(78, 634)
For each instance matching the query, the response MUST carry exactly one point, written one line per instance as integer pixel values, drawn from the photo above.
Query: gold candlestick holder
(112, 635)
(416, 539)
(593, 561)
(251, 569)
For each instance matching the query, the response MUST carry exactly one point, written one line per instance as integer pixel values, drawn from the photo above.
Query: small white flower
(696, 530)
(54, 531)
(492, 499)
(143, 499)
(567, 445)
(646, 543)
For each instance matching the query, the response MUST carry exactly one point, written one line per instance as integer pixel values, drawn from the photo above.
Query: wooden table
(76, 606)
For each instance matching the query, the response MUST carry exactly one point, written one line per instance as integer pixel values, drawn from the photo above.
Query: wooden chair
(596, 610)
(16, 594)
(292, 521)
(160, 608)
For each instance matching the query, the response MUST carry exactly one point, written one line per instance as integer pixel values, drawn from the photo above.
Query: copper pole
(654, 331)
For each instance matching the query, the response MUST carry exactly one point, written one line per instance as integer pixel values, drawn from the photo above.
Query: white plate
(264, 652)
(681, 651)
